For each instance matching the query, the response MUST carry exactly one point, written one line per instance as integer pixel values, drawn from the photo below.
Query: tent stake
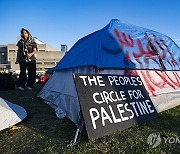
(73, 142)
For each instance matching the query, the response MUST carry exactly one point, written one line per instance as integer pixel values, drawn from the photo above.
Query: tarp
(120, 46)
(10, 114)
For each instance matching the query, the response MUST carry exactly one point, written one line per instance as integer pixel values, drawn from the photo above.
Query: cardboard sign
(112, 102)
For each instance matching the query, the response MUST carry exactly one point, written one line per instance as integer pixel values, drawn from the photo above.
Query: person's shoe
(29, 88)
(20, 88)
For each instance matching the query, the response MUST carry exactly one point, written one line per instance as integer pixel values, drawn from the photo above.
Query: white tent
(10, 114)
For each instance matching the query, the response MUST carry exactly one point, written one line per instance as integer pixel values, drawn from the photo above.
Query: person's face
(25, 34)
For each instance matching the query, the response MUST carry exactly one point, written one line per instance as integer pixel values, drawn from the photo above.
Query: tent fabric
(162, 87)
(166, 101)
(10, 114)
(60, 91)
(120, 46)
(120, 49)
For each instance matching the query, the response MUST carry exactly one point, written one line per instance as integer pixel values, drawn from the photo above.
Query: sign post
(112, 102)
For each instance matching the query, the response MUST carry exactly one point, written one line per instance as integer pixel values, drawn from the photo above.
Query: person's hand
(29, 55)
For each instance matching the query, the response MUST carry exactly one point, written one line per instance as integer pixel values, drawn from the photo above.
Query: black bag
(6, 82)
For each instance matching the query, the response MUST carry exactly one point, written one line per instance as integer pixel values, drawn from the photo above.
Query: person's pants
(31, 67)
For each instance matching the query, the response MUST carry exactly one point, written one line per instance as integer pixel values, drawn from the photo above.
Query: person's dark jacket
(24, 48)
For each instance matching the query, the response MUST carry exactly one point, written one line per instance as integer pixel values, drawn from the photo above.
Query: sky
(57, 22)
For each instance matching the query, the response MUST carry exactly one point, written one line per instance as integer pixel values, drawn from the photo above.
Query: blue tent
(120, 45)
(114, 49)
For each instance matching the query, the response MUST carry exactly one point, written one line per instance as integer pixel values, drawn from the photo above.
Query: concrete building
(3, 58)
(47, 57)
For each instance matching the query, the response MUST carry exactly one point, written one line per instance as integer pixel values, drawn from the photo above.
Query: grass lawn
(43, 132)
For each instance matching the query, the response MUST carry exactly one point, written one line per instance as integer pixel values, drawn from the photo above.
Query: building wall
(11, 57)
(48, 59)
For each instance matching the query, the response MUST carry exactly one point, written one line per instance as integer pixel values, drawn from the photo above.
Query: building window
(11, 50)
(39, 63)
(49, 63)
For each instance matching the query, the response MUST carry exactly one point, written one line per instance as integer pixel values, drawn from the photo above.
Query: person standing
(27, 49)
